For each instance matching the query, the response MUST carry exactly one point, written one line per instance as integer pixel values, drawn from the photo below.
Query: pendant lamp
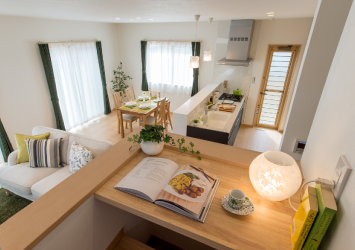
(195, 60)
(207, 55)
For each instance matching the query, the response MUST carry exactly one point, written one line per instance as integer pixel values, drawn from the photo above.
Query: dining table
(137, 111)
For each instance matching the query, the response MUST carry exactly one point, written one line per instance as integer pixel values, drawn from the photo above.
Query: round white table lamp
(275, 175)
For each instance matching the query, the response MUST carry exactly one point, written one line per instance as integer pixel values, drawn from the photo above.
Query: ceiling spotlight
(117, 18)
(270, 13)
(138, 18)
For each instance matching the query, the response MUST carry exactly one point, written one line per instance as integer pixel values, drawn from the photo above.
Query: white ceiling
(159, 10)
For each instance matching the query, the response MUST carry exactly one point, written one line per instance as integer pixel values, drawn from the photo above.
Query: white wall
(332, 134)
(24, 96)
(326, 30)
(130, 35)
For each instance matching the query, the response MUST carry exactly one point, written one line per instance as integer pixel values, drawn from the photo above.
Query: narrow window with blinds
(277, 75)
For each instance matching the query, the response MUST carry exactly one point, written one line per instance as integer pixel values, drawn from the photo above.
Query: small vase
(195, 123)
(152, 148)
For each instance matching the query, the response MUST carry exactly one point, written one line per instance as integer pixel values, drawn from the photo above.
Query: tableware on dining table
(130, 104)
(143, 97)
(241, 211)
(145, 106)
(237, 199)
(157, 99)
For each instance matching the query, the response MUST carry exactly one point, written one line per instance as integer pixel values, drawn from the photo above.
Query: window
(168, 67)
(78, 81)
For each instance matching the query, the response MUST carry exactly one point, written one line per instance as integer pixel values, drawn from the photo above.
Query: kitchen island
(219, 126)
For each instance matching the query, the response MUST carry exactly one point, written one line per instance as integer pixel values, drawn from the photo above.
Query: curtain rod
(172, 41)
(88, 41)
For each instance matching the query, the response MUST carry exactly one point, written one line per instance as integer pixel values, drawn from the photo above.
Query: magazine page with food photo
(189, 188)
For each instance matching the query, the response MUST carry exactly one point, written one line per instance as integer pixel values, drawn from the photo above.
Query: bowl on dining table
(130, 104)
(143, 97)
(145, 106)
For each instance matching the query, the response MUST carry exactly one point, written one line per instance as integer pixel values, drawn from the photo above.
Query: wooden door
(279, 67)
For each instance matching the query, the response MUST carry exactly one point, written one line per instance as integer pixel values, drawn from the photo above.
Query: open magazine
(187, 190)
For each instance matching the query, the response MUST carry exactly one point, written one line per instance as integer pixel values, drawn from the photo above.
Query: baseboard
(116, 240)
(246, 125)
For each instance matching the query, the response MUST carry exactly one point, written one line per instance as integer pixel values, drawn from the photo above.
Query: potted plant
(119, 83)
(152, 140)
(196, 122)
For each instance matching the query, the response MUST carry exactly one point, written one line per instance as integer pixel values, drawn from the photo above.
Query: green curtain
(103, 78)
(144, 72)
(5, 144)
(196, 71)
(48, 69)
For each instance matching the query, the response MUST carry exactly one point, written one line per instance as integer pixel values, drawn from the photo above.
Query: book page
(189, 188)
(149, 177)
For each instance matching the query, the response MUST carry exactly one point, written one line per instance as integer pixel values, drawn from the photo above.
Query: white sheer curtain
(1, 156)
(168, 67)
(77, 76)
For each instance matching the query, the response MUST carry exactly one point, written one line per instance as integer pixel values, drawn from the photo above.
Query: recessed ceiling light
(117, 18)
(138, 18)
(151, 19)
(270, 13)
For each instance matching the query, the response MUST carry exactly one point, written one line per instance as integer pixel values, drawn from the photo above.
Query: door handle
(261, 93)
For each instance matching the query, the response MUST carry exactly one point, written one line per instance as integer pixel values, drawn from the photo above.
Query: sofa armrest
(12, 158)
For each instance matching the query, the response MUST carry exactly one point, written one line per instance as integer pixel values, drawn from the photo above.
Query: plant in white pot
(152, 140)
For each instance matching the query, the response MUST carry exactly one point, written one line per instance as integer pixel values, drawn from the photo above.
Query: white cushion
(54, 134)
(96, 146)
(79, 156)
(150, 120)
(43, 186)
(128, 117)
(21, 178)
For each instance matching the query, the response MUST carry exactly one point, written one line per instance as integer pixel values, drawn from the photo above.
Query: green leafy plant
(119, 83)
(196, 121)
(156, 134)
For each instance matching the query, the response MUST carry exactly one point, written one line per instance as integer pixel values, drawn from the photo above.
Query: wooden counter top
(267, 228)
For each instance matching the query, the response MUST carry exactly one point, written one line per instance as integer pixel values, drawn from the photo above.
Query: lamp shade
(194, 62)
(275, 175)
(207, 56)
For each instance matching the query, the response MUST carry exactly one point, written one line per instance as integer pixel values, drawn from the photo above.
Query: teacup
(237, 199)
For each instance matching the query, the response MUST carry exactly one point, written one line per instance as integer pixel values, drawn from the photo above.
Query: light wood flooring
(105, 127)
(256, 139)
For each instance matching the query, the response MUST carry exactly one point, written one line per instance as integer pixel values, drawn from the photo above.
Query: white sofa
(31, 183)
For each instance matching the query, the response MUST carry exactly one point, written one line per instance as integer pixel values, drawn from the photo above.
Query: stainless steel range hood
(240, 36)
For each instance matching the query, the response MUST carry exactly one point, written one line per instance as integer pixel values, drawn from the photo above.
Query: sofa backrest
(96, 146)
(56, 133)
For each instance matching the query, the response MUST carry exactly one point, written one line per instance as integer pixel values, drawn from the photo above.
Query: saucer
(242, 211)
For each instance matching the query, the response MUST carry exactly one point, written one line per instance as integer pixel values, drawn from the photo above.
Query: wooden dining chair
(130, 95)
(168, 114)
(159, 115)
(154, 93)
(118, 97)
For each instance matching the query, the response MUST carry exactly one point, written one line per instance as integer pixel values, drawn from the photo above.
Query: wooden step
(128, 243)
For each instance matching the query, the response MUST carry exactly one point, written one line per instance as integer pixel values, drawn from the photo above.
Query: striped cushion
(44, 153)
